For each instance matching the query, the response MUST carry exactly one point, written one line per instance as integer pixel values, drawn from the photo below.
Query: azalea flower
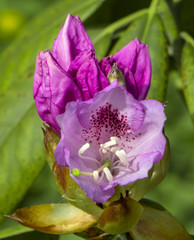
(112, 139)
(72, 72)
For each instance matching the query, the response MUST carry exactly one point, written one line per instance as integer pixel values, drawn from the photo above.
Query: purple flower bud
(72, 40)
(112, 139)
(134, 62)
(89, 77)
(52, 89)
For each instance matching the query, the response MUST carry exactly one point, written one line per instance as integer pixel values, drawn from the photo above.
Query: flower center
(112, 158)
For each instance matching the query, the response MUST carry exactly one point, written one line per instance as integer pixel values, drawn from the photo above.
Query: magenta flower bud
(52, 89)
(72, 72)
(71, 41)
(89, 77)
(134, 62)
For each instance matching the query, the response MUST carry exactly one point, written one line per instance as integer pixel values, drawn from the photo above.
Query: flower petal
(52, 89)
(90, 78)
(71, 40)
(142, 164)
(120, 100)
(150, 135)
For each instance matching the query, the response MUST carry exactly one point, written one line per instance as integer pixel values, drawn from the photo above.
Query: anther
(83, 149)
(108, 174)
(121, 154)
(95, 175)
(108, 144)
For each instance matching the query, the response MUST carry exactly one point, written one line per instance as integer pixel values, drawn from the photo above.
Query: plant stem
(151, 13)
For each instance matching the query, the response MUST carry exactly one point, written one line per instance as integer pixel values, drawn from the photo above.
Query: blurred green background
(27, 27)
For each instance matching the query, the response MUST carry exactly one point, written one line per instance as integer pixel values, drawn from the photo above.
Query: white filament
(108, 174)
(82, 150)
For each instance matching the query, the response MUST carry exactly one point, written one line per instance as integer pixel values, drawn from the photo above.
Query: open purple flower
(72, 72)
(112, 139)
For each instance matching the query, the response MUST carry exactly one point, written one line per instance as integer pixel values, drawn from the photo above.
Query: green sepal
(120, 216)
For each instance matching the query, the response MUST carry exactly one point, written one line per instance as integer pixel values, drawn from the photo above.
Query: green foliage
(188, 72)
(111, 25)
(22, 153)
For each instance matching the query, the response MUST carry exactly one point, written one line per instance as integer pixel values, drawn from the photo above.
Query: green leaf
(150, 30)
(158, 224)
(40, 192)
(22, 154)
(101, 47)
(54, 218)
(22, 157)
(166, 12)
(33, 235)
(10, 228)
(187, 69)
(69, 237)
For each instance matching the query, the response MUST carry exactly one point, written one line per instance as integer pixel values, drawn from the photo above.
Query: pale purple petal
(70, 126)
(112, 113)
(149, 138)
(115, 101)
(52, 89)
(96, 192)
(142, 164)
(71, 40)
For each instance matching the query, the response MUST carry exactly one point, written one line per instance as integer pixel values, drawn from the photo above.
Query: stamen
(82, 150)
(108, 144)
(121, 154)
(127, 170)
(116, 139)
(103, 166)
(108, 174)
(114, 149)
(96, 175)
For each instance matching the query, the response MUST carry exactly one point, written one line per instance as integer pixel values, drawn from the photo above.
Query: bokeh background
(27, 27)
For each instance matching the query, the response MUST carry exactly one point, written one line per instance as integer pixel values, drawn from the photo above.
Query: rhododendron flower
(112, 139)
(72, 72)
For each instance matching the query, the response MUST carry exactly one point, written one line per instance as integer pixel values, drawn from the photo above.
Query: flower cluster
(72, 72)
(109, 135)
